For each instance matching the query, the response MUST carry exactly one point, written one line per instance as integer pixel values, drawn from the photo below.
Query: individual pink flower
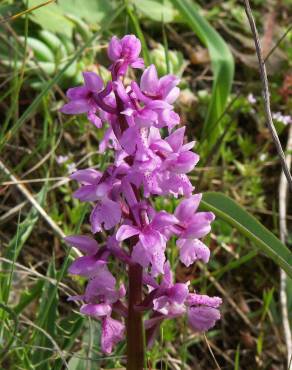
(87, 265)
(169, 298)
(124, 52)
(150, 246)
(192, 226)
(82, 98)
(191, 250)
(203, 311)
(164, 88)
(89, 179)
(177, 156)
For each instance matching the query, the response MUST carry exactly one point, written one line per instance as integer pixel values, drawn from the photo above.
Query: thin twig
(266, 93)
(32, 181)
(278, 42)
(211, 352)
(283, 195)
(239, 93)
(230, 300)
(45, 157)
(33, 273)
(30, 10)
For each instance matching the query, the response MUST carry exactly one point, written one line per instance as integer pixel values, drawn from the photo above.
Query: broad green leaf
(222, 66)
(90, 339)
(92, 11)
(157, 10)
(78, 361)
(225, 208)
(50, 17)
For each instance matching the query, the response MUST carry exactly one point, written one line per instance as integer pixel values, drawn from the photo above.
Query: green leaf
(50, 17)
(156, 10)
(93, 11)
(250, 227)
(222, 67)
(90, 339)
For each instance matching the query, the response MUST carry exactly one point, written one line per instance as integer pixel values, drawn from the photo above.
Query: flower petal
(85, 266)
(149, 80)
(203, 300)
(178, 292)
(92, 81)
(199, 225)
(114, 48)
(96, 310)
(140, 255)
(86, 193)
(138, 63)
(175, 140)
(76, 107)
(163, 219)
(79, 92)
(107, 213)
(84, 243)
(203, 318)
(126, 231)
(186, 209)
(112, 332)
(192, 250)
(89, 176)
(185, 162)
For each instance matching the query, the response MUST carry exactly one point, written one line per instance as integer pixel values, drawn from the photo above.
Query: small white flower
(71, 167)
(285, 119)
(251, 99)
(62, 159)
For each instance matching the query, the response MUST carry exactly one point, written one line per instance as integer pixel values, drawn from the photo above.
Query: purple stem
(135, 327)
(135, 335)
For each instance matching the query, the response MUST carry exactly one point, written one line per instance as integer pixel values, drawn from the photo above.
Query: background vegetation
(209, 45)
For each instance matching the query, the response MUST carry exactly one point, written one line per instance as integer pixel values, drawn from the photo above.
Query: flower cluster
(284, 119)
(151, 158)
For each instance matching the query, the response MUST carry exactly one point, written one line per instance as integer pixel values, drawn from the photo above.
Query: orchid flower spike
(151, 157)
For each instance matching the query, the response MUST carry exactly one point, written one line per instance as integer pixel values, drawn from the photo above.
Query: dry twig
(283, 194)
(266, 93)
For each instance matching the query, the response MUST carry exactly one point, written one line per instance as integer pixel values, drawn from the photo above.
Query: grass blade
(225, 208)
(140, 35)
(222, 66)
